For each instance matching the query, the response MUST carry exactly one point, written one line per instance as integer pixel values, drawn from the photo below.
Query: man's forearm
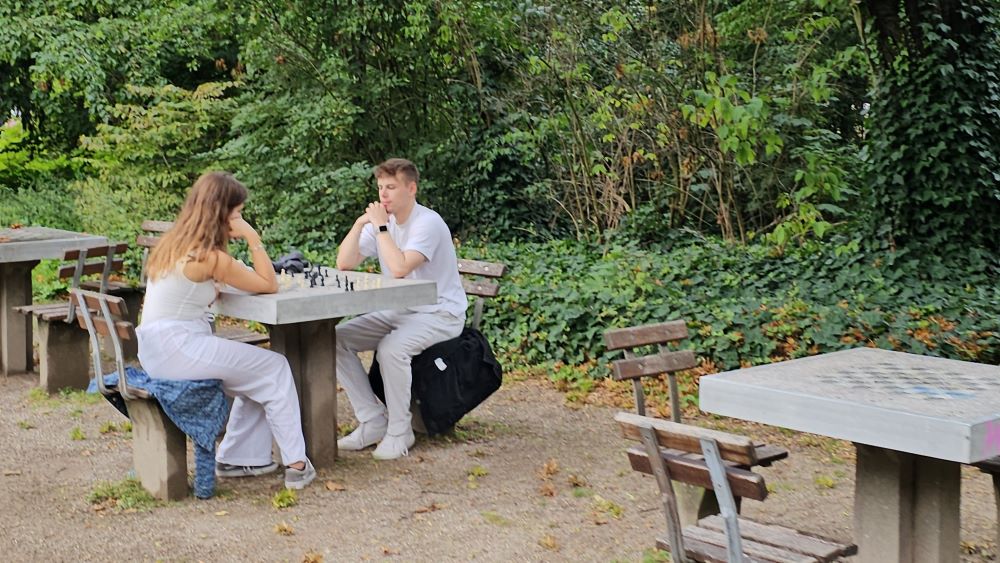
(349, 253)
(391, 256)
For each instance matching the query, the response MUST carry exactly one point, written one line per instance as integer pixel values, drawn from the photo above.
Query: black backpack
(449, 379)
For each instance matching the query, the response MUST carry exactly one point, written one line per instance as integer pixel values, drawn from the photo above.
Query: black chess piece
(352, 286)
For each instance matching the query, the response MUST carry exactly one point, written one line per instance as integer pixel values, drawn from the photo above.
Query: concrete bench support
(159, 451)
(62, 356)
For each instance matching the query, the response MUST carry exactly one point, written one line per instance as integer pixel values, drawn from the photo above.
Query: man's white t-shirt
(427, 233)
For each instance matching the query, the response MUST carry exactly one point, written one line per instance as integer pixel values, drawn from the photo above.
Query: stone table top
(38, 243)
(935, 407)
(297, 302)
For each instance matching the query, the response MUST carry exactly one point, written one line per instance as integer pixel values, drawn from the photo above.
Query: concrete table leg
(905, 507)
(15, 328)
(311, 351)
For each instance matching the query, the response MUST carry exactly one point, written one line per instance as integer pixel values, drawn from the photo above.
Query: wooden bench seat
(719, 464)
(694, 501)
(60, 345)
(159, 448)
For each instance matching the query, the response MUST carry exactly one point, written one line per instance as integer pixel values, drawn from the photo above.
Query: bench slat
(90, 268)
(478, 268)
(124, 328)
(653, 364)
(481, 288)
(752, 550)
(94, 285)
(96, 252)
(738, 449)
(631, 337)
(115, 304)
(40, 308)
(768, 454)
(146, 241)
(157, 226)
(744, 483)
(786, 538)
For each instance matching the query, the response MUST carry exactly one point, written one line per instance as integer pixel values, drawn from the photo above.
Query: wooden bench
(719, 464)
(159, 448)
(152, 232)
(694, 502)
(478, 281)
(60, 343)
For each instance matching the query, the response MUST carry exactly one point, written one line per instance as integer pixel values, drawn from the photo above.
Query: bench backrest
(665, 454)
(104, 315)
(147, 241)
(477, 280)
(665, 361)
(98, 260)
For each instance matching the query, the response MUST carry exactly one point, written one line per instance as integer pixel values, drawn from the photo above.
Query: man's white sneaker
(394, 447)
(366, 434)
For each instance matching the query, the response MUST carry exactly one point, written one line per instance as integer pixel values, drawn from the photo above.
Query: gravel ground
(528, 477)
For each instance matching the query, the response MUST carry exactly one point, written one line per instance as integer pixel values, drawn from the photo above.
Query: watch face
(383, 228)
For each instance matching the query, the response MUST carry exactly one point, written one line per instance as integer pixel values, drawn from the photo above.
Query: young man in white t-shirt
(413, 242)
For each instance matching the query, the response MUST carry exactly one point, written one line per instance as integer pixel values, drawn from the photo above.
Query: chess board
(947, 409)
(328, 279)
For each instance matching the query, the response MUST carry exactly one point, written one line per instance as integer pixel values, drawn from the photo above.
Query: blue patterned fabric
(197, 407)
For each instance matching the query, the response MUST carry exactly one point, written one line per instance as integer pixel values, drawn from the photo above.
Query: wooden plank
(653, 364)
(124, 328)
(90, 268)
(660, 333)
(753, 550)
(699, 550)
(481, 288)
(54, 314)
(96, 252)
(785, 538)
(38, 309)
(667, 496)
(116, 305)
(157, 226)
(694, 470)
(684, 437)
(117, 286)
(146, 241)
(477, 268)
(768, 454)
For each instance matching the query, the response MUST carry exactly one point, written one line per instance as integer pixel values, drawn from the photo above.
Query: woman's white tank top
(177, 298)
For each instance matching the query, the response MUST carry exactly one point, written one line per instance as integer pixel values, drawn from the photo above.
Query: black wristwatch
(383, 228)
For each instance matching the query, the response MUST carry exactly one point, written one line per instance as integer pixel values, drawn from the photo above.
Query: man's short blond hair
(395, 166)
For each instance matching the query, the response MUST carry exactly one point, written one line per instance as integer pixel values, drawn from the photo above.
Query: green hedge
(743, 306)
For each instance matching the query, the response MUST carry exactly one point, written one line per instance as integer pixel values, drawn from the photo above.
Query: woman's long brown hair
(202, 225)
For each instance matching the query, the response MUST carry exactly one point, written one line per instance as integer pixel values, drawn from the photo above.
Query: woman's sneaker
(226, 470)
(299, 478)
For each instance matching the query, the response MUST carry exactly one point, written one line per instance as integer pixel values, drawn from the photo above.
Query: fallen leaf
(389, 551)
(432, 507)
(547, 490)
(312, 557)
(577, 481)
(334, 486)
(549, 542)
(283, 529)
(222, 513)
(11, 472)
(550, 468)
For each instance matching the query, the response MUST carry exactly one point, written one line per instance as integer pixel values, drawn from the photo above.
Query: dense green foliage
(785, 175)
(742, 305)
(934, 150)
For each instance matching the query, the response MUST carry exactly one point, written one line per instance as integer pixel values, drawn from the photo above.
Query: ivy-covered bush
(743, 306)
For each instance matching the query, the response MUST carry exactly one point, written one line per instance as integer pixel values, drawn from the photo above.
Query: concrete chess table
(302, 323)
(20, 251)
(913, 419)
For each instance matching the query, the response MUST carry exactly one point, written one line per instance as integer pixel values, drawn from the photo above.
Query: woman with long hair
(176, 340)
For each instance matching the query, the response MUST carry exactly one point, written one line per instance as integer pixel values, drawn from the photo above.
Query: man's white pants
(265, 403)
(396, 337)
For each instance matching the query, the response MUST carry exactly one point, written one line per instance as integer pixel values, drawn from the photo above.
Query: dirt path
(491, 493)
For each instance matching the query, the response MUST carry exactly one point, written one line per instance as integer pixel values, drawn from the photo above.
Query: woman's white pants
(265, 402)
